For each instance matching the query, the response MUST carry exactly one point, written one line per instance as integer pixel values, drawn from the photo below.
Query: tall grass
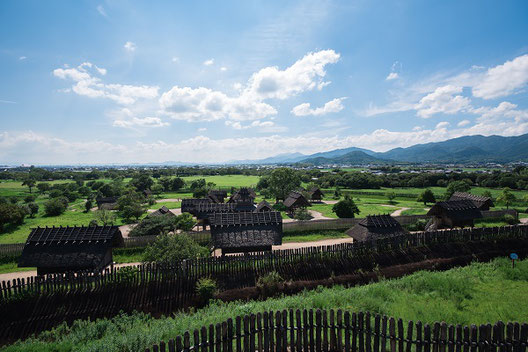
(476, 294)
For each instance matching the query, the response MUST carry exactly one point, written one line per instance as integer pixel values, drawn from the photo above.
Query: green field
(227, 180)
(476, 294)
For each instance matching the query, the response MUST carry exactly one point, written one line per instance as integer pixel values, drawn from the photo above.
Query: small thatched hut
(453, 213)
(375, 227)
(162, 211)
(244, 199)
(106, 203)
(315, 194)
(217, 196)
(62, 249)
(481, 202)
(263, 206)
(246, 231)
(296, 200)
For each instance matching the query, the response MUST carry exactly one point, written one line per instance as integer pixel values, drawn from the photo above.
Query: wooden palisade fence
(39, 303)
(335, 330)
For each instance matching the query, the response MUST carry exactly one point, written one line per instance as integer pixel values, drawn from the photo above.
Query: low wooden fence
(335, 330)
(39, 303)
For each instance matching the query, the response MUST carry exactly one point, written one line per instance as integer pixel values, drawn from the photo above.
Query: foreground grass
(310, 236)
(476, 294)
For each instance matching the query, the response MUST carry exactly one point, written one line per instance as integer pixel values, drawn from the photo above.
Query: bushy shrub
(418, 225)
(279, 207)
(302, 214)
(11, 214)
(345, 208)
(55, 206)
(160, 225)
(29, 198)
(270, 284)
(510, 219)
(206, 289)
(32, 209)
(173, 248)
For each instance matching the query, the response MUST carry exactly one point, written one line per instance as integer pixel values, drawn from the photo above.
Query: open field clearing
(476, 294)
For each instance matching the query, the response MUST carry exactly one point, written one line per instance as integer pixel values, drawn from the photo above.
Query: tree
(11, 214)
(456, 186)
(391, 196)
(33, 209)
(43, 187)
(30, 183)
(427, 196)
(197, 184)
(134, 210)
(130, 205)
(282, 181)
(345, 208)
(506, 197)
(487, 193)
(55, 206)
(170, 249)
(105, 217)
(142, 182)
(88, 205)
(165, 182)
(200, 192)
(177, 183)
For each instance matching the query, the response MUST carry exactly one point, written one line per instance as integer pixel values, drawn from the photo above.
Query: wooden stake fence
(335, 330)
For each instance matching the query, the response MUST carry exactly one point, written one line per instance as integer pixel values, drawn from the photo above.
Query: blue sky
(200, 81)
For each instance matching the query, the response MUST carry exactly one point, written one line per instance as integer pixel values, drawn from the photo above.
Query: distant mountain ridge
(475, 149)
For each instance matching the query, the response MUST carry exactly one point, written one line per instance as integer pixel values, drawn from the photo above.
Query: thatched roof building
(481, 202)
(453, 213)
(315, 194)
(296, 200)
(375, 227)
(244, 199)
(246, 231)
(162, 211)
(106, 203)
(62, 249)
(263, 206)
(217, 196)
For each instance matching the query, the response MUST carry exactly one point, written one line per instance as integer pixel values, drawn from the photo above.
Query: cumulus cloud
(204, 104)
(463, 123)
(392, 75)
(127, 119)
(503, 80)
(223, 68)
(262, 126)
(130, 47)
(208, 62)
(332, 106)
(87, 84)
(21, 58)
(443, 100)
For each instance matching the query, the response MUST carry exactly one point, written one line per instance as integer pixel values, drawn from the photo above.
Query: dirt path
(524, 220)
(168, 200)
(175, 211)
(399, 211)
(317, 215)
(330, 201)
(125, 229)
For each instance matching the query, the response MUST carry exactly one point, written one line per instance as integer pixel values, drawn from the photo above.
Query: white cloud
(21, 58)
(202, 129)
(140, 122)
(130, 47)
(392, 75)
(443, 124)
(463, 123)
(175, 59)
(208, 62)
(332, 106)
(223, 68)
(204, 104)
(503, 80)
(304, 75)
(101, 10)
(442, 100)
(91, 86)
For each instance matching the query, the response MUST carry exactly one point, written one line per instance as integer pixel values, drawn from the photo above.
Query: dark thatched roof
(244, 194)
(162, 211)
(263, 206)
(70, 248)
(481, 202)
(455, 209)
(296, 200)
(315, 192)
(375, 227)
(246, 231)
(245, 218)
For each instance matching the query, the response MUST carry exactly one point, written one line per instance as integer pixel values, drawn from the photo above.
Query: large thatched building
(315, 194)
(453, 213)
(481, 202)
(246, 231)
(244, 199)
(375, 227)
(295, 200)
(163, 211)
(63, 249)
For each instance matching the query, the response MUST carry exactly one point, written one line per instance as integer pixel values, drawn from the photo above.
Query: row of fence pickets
(209, 266)
(335, 330)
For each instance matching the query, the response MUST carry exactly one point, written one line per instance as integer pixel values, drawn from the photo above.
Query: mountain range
(474, 149)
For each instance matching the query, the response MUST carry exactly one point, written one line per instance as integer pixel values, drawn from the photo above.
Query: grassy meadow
(475, 294)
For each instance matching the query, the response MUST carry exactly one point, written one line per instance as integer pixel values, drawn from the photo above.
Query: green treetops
(282, 181)
(345, 208)
(427, 196)
(172, 249)
(506, 197)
